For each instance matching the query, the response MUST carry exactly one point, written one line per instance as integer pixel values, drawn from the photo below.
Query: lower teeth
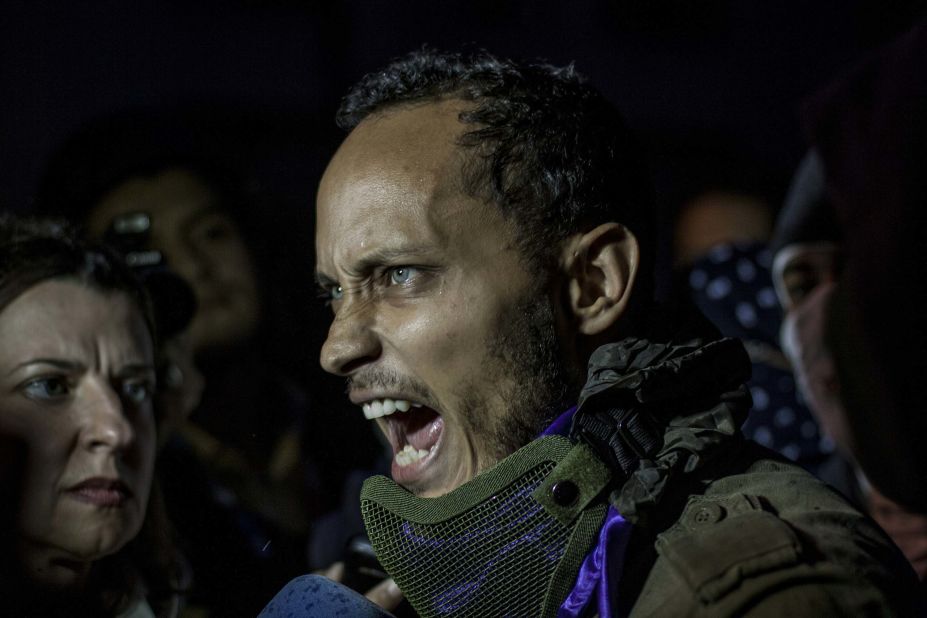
(409, 455)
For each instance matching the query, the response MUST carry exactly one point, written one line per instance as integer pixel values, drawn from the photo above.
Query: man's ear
(600, 266)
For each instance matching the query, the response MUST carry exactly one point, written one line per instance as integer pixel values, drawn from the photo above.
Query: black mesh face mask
(508, 543)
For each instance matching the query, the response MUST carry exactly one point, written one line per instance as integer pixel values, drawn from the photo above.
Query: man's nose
(351, 342)
(104, 425)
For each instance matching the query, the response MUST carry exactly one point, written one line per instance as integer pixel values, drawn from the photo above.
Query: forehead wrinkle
(370, 221)
(65, 364)
(394, 172)
(385, 255)
(95, 344)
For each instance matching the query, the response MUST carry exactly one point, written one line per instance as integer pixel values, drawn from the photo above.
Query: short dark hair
(549, 149)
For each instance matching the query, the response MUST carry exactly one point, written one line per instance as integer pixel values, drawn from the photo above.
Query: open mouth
(413, 430)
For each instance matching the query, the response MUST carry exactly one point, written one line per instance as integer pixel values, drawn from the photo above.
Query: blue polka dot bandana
(732, 285)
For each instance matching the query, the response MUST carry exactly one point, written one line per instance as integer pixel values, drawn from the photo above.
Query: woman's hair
(35, 250)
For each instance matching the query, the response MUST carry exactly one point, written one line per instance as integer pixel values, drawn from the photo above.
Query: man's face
(201, 243)
(804, 275)
(445, 333)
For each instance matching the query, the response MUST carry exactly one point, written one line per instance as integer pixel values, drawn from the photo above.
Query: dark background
(714, 89)
(265, 76)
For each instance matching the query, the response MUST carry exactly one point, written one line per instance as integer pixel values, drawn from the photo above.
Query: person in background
(240, 482)
(808, 259)
(722, 262)
(85, 531)
(180, 383)
(869, 128)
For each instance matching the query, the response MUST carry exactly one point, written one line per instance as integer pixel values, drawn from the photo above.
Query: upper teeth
(385, 407)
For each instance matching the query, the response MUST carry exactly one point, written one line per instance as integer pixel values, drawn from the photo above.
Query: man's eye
(402, 274)
(213, 229)
(797, 293)
(329, 293)
(799, 287)
(217, 231)
(46, 388)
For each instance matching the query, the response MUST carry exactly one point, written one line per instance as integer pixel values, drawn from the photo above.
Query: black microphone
(314, 596)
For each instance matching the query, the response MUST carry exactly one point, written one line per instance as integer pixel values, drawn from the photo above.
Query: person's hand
(334, 572)
(386, 594)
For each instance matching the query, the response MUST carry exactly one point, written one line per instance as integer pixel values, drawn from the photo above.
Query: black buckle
(626, 426)
(620, 436)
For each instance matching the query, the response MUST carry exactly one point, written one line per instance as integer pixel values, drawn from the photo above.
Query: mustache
(386, 379)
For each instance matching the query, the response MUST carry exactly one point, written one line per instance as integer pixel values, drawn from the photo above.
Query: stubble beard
(534, 377)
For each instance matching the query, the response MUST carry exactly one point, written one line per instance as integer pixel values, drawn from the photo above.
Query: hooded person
(844, 251)
(870, 130)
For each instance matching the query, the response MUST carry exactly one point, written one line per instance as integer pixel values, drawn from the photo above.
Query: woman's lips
(100, 492)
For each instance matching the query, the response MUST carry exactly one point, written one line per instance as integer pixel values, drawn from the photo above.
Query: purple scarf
(600, 572)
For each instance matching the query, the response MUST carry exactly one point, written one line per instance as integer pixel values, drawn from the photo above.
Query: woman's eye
(46, 388)
(402, 274)
(137, 391)
(335, 292)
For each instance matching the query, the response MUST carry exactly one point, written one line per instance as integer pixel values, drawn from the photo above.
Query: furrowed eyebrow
(58, 363)
(324, 285)
(374, 259)
(387, 255)
(324, 281)
(137, 369)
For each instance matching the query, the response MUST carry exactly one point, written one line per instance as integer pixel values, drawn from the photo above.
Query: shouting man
(561, 446)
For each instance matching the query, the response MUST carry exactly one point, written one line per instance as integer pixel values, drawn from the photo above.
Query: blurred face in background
(716, 217)
(798, 269)
(804, 275)
(76, 377)
(200, 243)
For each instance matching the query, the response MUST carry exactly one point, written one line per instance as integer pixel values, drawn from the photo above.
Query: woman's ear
(600, 266)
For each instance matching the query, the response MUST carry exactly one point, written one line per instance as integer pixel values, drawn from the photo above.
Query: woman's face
(76, 376)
